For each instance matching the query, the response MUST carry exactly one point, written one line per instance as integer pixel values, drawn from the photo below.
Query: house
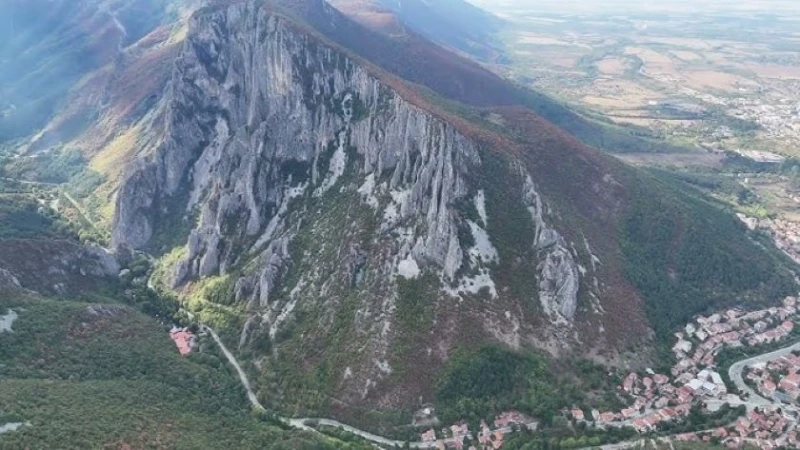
(660, 379)
(607, 417)
(577, 414)
(629, 382)
(640, 425)
(790, 382)
(629, 412)
(661, 402)
(428, 436)
(682, 346)
(498, 439)
(459, 430)
(710, 388)
(184, 340)
(507, 418)
(694, 385)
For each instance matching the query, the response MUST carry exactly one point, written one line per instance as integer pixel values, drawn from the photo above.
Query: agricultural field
(719, 79)
(717, 76)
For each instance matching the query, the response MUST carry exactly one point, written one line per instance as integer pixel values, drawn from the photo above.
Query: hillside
(330, 205)
(375, 223)
(81, 375)
(84, 366)
(46, 47)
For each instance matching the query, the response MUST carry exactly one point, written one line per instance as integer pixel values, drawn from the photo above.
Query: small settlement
(488, 437)
(658, 398)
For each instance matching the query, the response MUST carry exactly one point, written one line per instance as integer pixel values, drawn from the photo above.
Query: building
(184, 340)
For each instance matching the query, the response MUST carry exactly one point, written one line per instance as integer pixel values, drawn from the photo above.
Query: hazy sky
(686, 6)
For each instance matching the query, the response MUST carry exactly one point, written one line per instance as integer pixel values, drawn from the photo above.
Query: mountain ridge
(323, 199)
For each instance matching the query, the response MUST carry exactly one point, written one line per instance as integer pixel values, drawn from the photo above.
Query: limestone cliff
(318, 199)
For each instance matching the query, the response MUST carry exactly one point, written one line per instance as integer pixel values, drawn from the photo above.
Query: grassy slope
(86, 380)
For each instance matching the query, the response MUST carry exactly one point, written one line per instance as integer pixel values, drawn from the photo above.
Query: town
(659, 398)
(656, 399)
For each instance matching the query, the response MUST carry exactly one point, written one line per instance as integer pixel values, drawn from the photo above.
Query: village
(785, 233)
(766, 427)
(659, 398)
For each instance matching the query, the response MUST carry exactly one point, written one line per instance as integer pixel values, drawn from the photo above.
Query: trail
(301, 423)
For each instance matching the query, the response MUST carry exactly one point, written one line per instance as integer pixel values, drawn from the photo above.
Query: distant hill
(455, 24)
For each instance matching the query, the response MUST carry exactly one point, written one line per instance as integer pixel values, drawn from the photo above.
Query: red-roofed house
(184, 340)
(607, 417)
(629, 412)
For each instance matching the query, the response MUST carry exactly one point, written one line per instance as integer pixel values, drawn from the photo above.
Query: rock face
(328, 204)
(558, 276)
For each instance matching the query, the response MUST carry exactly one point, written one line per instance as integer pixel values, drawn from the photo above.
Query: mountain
(47, 46)
(363, 214)
(455, 24)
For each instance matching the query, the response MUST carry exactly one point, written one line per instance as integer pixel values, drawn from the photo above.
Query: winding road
(735, 373)
(301, 423)
(754, 399)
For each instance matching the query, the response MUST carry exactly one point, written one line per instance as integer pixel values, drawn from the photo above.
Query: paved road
(735, 374)
(242, 376)
(301, 423)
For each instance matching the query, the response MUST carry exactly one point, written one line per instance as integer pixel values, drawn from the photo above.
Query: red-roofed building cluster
(765, 428)
(488, 437)
(657, 398)
(779, 379)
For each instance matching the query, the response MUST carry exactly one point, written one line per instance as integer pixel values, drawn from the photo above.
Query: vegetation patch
(688, 255)
(22, 217)
(104, 375)
(480, 384)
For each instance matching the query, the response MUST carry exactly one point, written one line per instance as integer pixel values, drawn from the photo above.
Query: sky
(686, 6)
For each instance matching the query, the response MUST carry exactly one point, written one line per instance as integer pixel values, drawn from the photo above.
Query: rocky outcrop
(313, 187)
(558, 274)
